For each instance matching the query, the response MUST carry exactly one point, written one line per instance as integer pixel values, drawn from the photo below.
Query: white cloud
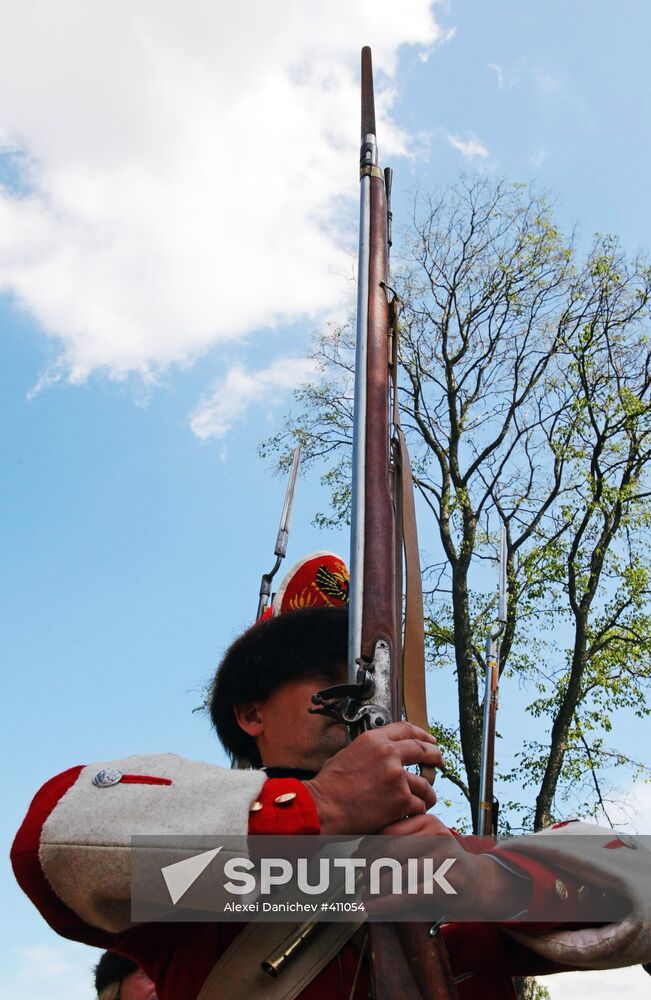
(507, 76)
(444, 35)
(238, 390)
(537, 158)
(183, 165)
(499, 73)
(470, 147)
(59, 971)
(631, 810)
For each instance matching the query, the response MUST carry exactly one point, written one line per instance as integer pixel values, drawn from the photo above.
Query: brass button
(285, 798)
(255, 807)
(561, 889)
(582, 893)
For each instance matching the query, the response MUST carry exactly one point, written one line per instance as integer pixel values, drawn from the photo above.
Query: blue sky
(177, 216)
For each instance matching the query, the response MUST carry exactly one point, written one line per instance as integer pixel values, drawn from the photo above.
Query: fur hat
(305, 629)
(268, 655)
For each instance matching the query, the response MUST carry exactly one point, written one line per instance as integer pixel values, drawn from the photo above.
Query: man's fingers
(421, 787)
(428, 825)
(406, 731)
(416, 751)
(403, 827)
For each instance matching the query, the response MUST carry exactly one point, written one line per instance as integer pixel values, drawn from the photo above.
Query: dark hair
(268, 655)
(112, 968)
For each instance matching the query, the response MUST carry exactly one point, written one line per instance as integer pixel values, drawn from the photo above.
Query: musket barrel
(286, 515)
(503, 608)
(486, 812)
(379, 556)
(371, 609)
(368, 99)
(357, 519)
(485, 817)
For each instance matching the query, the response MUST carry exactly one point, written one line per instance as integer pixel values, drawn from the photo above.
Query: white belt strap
(238, 974)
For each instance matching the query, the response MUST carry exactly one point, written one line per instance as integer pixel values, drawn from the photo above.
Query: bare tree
(526, 398)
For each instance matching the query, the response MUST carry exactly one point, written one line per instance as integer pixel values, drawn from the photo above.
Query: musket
(407, 962)
(280, 551)
(372, 696)
(281, 540)
(488, 804)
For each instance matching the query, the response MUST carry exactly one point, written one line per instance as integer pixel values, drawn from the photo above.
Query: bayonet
(283, 535)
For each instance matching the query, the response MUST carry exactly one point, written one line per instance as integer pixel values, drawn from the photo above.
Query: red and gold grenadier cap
(317, 580)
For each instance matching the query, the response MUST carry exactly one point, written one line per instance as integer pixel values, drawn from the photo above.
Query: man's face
(291, 736)
(137, 986)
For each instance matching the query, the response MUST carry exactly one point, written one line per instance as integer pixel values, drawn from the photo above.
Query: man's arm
(601, 872)
(581, 893)
(72, 853)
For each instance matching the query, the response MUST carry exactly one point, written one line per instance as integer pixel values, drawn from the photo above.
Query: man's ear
(248, 718)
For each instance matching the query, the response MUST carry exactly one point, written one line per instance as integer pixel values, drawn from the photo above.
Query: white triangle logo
(183, 874)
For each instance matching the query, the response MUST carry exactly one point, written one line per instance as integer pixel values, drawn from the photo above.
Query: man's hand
(364, 787)
(484, 889)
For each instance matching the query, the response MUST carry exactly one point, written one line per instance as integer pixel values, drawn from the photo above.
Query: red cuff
(28, 838)
(555, 897)
(284, 806)
(28, 871)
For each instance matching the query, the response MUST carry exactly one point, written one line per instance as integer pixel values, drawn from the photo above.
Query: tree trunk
(560, 730)
(469, 713)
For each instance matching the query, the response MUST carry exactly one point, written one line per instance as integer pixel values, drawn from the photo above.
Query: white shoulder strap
(238, 973)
